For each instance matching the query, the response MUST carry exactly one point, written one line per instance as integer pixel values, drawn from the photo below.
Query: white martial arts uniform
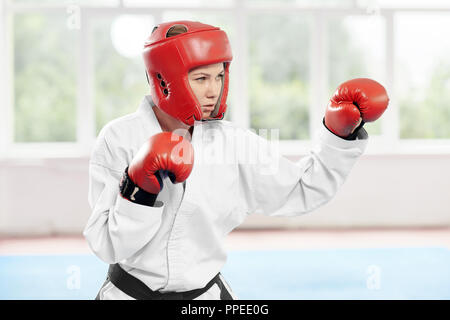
(178, 245)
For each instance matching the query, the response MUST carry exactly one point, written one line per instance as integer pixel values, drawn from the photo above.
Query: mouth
(208, 107)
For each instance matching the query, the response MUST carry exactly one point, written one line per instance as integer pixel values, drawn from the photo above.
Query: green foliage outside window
(44, 79)
(46, 61)
(279, 74)
(425, 113)
(120, 82)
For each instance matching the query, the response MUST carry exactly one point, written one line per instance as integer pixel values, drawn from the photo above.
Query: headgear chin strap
(169, 59)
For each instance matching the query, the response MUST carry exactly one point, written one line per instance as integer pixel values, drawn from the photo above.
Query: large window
(423, 75)
(119, 73)
(279, 73)
(65, 83)
(44, 78)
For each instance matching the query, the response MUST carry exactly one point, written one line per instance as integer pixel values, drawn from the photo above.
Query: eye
(220, 75)
(201, 78)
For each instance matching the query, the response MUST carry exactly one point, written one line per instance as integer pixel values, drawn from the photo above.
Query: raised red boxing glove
(354, 99)
(164, 154)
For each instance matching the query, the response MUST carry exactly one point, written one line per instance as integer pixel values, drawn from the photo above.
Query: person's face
(206, 83)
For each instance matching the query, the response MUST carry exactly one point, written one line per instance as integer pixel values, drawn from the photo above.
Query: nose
(213, 88)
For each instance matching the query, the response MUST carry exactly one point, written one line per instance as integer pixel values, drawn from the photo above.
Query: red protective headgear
(169, 59)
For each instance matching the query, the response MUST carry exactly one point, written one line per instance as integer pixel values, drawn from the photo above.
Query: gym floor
(262, 264)
(260, 240)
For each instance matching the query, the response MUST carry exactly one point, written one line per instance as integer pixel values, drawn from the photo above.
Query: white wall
(49, 196)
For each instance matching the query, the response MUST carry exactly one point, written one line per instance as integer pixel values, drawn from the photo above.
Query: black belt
(138, 290)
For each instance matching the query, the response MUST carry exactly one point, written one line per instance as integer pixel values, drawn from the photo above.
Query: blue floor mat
(394, 273)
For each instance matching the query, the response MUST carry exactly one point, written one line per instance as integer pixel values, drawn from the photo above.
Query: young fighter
(170, 181)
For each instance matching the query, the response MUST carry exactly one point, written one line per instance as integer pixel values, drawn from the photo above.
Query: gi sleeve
(273, 185)
(117, 228)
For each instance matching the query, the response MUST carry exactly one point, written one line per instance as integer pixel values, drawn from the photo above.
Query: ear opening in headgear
(162, 84)
(176, 30)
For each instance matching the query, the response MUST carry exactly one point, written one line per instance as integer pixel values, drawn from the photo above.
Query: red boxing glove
(357, 98)
(164, 154)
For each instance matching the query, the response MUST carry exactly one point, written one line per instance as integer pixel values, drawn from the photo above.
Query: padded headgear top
(169, 59)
